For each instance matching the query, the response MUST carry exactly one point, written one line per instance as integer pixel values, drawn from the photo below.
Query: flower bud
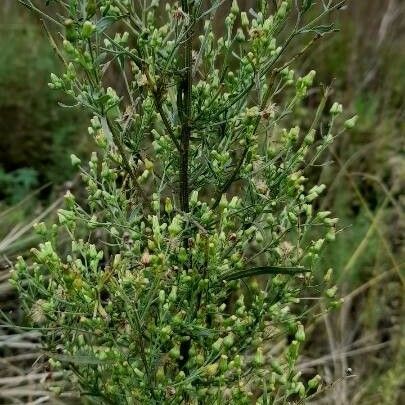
(175, 352)
(309, 78)
(223, 364)
(182, 256)
(300, 334)
(314, 382)
(282, 10)
(240, 36)
(351, 123)
(328, 275)
(229, 340)
(217, 345)
(223, 203)
(318, 245)
(148, 164)
(88, 29)
(194, 198)
(235, 7)
(69, 48)
(244, 19)
(210, 370)
(75, 160)
(336, 109)
(175, 227)
(145, 259)
(168, 205)
(259, 358)
(331, 292)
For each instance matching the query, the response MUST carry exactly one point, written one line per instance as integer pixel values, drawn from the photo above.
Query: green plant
(196, 188)
(34, 133)
(15, 185)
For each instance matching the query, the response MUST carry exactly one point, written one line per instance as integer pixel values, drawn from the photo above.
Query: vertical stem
(184, 106)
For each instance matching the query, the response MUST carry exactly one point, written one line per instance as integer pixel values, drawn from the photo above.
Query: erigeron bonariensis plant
(194, 242)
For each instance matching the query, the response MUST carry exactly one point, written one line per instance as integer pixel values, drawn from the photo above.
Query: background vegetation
(358, 349)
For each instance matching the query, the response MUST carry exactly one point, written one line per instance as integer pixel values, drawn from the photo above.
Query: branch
(125, 161)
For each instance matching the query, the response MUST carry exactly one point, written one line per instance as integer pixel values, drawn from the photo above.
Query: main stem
(184, 108)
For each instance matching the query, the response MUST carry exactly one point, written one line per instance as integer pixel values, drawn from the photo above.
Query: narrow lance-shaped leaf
(265, 270)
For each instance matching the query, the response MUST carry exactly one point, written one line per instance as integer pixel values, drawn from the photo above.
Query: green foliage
(15, 185)
(34, 133)
(197, 183)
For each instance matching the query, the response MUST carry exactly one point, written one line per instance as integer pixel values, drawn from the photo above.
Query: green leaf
(105, 22)
(306, 5)
(257, 271)
(319, 29)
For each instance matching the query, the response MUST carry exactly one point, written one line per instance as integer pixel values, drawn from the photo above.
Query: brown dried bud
(145, 259)
(232, 237)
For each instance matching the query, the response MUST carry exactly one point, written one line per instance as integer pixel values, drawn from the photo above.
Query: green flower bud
(92, 223)
(293, 350)
(351, 123)
(160, 375)
(244, 19)
(296, 377)
(229, 340)
(259, 237)
(318, 245)
(88, 29)
(175, 352)
(310, 137)
(66, 217)
(69, 200)
(309, 78)
(311, 197)
(194, 198)
(199, 359)
(331, 292)
(223, 203)
(259, 358)
(328, 275)
(95, 123)
(276, 367)
(323, 214)
(331, 235)
(210, 370)
(148, 164)
(176, 226)
(69, 48)
(240, 36)
(182, 256)
(292, 217)
(223, 364)
(300, 334)
(217, 345)
(173, 294)
(162, 296)
(235, 7)
(41, 229)
(168, 205)
(314, 382)
(300, 389)
(336, 109)
(75, 160)
(331, 221)
(282, 10)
